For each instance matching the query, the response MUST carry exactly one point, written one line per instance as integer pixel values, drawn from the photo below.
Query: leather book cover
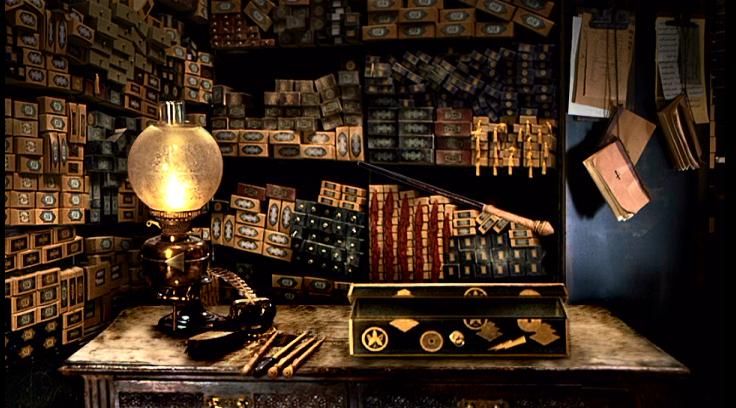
(633, 130)
(616, 178)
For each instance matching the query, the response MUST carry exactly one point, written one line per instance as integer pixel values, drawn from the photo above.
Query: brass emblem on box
(475, 292)
(509, 344)
(28, 334)
(489, 331)
(431, 341)
(544, 334)
(474, 324)
(404, 324)
(374, 339)
(457, 338)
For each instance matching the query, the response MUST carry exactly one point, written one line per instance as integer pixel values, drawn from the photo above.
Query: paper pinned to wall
(600, 64)
(574, 108)
(680, 53)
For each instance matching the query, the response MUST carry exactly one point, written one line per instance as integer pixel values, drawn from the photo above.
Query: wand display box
(450, 320)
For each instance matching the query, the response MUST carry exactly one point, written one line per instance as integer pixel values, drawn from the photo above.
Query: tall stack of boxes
(37, 301)
(245, 23)
(409, 235)
(488, 251)
(413, 19)
(44, 167)
(328, 240)
(112, 268)
(453, 128)
(109, 51)
(261, 223)
(109, 140)
(229, 123)
(303, 119)
(40, 247)
(66, 157)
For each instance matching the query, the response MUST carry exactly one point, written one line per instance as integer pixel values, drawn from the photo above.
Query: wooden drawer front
(484, 396)
(150, 394)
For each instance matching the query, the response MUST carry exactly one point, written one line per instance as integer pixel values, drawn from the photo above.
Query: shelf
(522, 36)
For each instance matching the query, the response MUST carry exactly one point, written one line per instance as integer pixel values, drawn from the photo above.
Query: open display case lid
(365, 290)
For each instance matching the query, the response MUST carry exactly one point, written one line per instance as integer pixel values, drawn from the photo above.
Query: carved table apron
(130, 364)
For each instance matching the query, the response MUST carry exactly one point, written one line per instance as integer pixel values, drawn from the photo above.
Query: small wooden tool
(259, 353)
(273, 372)
(267, 362)
(291, 368)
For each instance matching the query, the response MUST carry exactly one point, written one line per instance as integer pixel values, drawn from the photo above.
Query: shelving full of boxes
(83, 78)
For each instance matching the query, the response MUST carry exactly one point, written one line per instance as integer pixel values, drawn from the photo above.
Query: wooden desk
(130, 364)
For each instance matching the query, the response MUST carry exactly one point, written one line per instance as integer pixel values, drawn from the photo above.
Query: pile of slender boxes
(45, 181)
(414, 19)
(247, 23)
(261, 223)
(409, 234)
(328, 237)
(129, 52)
(303, 119)
(426, 239)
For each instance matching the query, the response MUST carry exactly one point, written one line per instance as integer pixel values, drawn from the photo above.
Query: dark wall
(661, 271)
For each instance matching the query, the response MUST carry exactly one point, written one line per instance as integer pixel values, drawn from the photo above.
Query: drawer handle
(218, 402)
(483, 404)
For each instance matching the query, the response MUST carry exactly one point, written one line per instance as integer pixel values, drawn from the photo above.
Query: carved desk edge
(601, 346)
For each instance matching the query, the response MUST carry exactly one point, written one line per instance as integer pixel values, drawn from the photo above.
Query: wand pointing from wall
(540, 227)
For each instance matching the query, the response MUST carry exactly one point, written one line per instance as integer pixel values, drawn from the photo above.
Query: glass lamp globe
(175, 168)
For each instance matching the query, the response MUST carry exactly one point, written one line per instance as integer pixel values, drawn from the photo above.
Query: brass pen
(267, 362)
(291, 368)
(259, 353)
(273, 372)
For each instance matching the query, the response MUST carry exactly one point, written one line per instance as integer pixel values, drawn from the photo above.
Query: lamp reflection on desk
(175, 168)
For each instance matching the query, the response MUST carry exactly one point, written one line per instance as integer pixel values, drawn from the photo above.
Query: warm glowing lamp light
(175, 168)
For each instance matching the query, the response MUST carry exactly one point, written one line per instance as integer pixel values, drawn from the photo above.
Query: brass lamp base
(190, 318)
(175, 265)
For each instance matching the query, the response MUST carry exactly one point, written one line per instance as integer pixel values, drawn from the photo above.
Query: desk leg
(98, 391)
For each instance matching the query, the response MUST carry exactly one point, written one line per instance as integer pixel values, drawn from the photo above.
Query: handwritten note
(669, 62)
(668, 43)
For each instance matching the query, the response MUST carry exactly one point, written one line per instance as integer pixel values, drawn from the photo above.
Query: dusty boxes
(415, 227)
(328, 237)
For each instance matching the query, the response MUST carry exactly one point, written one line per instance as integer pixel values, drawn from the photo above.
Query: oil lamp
(175, 168)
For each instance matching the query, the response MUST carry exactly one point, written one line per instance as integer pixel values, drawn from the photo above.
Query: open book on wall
(615, 176)
(678, 127)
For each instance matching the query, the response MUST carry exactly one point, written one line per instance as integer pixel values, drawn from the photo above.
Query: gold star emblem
(374, 339)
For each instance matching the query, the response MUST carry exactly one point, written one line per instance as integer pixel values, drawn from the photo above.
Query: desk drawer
(210, 394)
(492, 396)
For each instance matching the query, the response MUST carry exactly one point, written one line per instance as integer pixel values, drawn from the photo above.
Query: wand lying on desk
(259, 353)
(273, 372)
(540, 227)
(267, 362)
(291, 368)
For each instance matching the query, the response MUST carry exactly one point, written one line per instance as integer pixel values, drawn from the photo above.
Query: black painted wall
(660, 271)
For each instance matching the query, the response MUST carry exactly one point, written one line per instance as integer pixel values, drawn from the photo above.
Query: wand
(540, 227)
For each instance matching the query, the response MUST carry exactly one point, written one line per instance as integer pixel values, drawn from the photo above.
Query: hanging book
(616, 178)
(678, 126)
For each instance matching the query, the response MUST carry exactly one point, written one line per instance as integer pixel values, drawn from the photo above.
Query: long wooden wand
(543, 228)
